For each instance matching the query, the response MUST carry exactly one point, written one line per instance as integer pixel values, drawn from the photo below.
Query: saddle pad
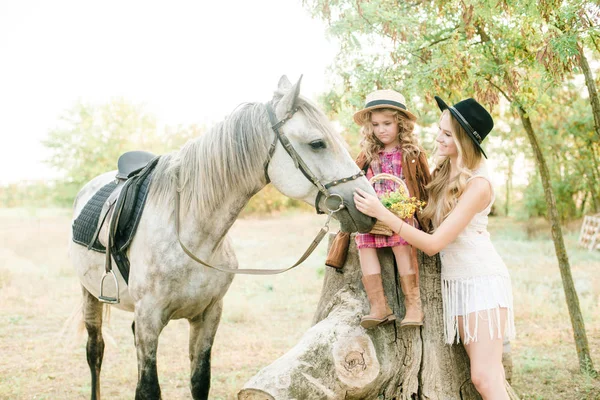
(84, 226)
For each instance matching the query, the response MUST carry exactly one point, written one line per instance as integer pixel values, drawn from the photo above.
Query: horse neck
(220, 171)
(205, 232)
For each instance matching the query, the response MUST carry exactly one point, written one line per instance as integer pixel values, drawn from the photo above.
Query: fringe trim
(467, 296)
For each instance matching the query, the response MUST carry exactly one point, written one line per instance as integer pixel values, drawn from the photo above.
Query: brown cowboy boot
(380, 313)
(412, 300)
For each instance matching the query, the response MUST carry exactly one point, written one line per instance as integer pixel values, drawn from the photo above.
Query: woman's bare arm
(475, 198)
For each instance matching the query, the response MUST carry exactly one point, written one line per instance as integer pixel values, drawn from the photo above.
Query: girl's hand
(368, 204)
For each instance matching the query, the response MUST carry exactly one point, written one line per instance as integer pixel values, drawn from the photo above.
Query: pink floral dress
(389, 163)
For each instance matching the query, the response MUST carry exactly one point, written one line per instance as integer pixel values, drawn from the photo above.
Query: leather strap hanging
(250, 271)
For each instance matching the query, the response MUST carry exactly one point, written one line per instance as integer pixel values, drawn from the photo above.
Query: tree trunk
(594, 179)
(581, 342)
(509, 177)
(338, 359)
(583, 203)
(591, 86)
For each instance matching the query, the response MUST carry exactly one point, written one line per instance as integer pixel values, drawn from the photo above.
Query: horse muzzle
(344, 210)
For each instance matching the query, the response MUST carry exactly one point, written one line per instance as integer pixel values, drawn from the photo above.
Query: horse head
(311, 162)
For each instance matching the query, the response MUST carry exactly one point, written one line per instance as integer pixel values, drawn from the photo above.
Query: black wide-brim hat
(472, 116)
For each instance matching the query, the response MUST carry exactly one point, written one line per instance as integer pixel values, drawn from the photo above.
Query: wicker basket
(380, 228)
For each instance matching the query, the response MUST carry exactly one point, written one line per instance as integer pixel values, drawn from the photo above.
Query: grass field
(263, 316)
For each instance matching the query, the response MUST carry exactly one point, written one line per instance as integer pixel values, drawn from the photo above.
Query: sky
(185, 61)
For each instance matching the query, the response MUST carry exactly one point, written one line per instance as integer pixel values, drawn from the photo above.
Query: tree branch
(511, 85)
(589, 21)
(371, 25)
(436, 41)
(506, 96)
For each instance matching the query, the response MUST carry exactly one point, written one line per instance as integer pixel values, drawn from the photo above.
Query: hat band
(385, 103)
(466, 124)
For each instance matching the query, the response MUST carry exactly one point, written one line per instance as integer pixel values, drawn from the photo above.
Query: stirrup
(107, 299)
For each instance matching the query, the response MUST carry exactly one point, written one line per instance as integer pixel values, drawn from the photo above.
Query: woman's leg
(485, 354)
(409, 283)
(371, 269)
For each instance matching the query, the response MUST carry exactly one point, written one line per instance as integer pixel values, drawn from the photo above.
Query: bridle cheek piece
(333, 202)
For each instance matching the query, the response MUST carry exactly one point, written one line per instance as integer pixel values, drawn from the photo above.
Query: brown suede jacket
(417, 177)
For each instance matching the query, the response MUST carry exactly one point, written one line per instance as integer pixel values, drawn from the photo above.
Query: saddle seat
(131, 162)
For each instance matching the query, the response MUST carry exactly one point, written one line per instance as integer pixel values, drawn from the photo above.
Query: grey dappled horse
(216, 174)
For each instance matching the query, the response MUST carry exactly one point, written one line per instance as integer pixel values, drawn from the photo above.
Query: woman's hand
(369, 204)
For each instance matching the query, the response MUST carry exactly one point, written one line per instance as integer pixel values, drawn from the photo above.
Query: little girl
(389, 146)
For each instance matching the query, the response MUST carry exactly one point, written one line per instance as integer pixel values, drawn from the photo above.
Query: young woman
(476, 288)
(389, 146)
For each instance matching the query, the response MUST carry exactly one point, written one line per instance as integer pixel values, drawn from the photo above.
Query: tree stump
(338, 359)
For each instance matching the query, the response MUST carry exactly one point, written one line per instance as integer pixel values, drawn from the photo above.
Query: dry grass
(263, 316)
(544, 353)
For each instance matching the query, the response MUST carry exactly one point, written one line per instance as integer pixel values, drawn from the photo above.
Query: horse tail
(74, 327)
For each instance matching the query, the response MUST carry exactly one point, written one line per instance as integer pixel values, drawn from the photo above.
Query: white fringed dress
(475, 279)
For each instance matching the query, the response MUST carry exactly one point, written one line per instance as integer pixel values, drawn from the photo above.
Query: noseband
(333, 202)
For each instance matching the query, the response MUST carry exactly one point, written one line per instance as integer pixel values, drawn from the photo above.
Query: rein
(333, 202)
(257, 271)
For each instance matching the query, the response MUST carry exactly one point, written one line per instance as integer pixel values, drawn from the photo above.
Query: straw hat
(383, 99)
(472, 116)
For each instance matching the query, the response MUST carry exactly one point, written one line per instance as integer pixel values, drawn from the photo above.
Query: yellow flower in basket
(399, 202)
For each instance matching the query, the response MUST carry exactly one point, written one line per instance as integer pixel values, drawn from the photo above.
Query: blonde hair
(444, 191)
(371, 145)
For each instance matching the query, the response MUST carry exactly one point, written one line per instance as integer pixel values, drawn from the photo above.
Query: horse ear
(289, 99)
(284, 83)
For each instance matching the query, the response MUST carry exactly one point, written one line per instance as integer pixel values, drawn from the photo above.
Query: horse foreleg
(92, 318)
(148, 326)
(202, 335)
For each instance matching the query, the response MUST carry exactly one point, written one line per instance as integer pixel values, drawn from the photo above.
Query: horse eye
(318, 144)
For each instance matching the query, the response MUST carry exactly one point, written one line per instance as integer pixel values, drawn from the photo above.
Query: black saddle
(131, 162)
(117, 207)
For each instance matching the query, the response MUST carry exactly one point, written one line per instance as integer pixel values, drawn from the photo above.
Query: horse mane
(225, 160)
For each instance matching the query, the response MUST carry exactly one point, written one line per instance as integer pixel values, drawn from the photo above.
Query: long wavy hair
(444, 190)
(371, 145)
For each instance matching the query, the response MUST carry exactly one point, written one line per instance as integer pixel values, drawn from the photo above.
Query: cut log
(338, 359)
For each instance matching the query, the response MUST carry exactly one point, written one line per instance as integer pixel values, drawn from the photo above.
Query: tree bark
(583, 203)
(338, 359)
(594, 179)
(581, 342)
(509, 178)
(591, 86)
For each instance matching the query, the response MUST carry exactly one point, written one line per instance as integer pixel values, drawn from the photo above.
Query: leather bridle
(333, 202)
(300, 164)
